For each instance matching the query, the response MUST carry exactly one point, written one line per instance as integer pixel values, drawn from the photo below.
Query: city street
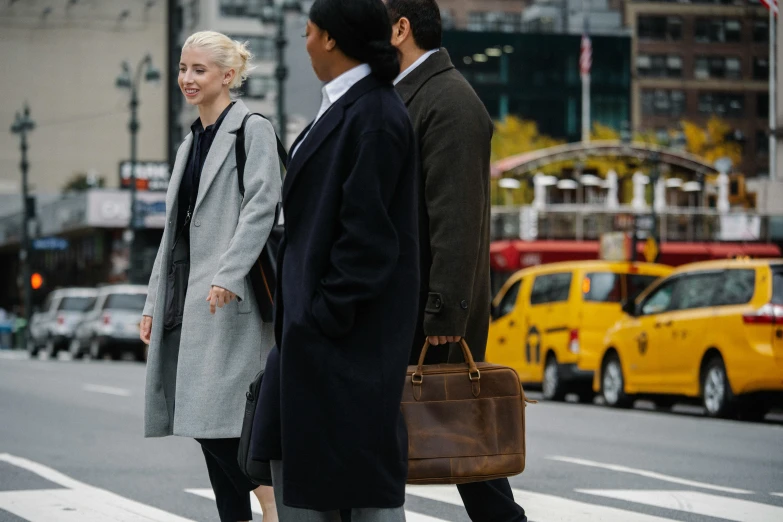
(71, 449)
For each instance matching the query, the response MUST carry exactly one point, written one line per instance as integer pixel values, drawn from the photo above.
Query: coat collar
(323, 128)
(436, 64)
(224, 143)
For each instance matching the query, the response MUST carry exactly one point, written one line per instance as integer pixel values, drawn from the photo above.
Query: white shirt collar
(415, 64)
(336, 89)
(333, 91)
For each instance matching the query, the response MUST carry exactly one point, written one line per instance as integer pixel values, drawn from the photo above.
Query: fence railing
(589, 222)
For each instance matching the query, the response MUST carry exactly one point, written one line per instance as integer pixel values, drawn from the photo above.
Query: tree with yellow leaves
(710, 143)
(514, 136)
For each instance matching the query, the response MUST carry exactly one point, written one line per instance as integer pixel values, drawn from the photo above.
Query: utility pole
(128, 80)
(281, 74)
(22, 125)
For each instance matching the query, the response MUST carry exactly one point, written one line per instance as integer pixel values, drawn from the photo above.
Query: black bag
(259, 473)
(263, 275)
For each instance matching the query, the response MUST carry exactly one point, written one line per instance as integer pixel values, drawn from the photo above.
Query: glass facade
(536, 77)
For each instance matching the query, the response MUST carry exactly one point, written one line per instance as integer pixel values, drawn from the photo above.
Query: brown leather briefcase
(466, 422)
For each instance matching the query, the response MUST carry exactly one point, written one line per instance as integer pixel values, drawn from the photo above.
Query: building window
(718, 30)
(495, 21)
(706, 67)
(660, 28)
(724, 104)
(662, 102)
(263, 48)
(762, 143)
(659, 66)
(760, 68)
(243, 8)
(761, 30)
(257, 87)
(762, 105)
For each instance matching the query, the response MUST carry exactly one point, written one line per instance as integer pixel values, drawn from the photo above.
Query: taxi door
(691, 331)
(777, 303)
(506, 331)
(652, 339)
(549, 321)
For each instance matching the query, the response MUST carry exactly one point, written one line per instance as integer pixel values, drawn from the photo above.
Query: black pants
(232, 488)
(491, 501)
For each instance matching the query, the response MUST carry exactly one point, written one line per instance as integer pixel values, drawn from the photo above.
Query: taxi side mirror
(630, 308)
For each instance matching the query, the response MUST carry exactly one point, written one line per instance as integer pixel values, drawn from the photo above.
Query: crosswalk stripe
(78, 502)
(650, 474)
(697, 502)
(207, 493)
(543, 508)
(777, 494)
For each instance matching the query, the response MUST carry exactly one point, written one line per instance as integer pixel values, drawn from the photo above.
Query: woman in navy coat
(348, 280)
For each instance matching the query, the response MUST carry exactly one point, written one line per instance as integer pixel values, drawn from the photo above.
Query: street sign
(650, 250)
(150, 175)
(50, 243)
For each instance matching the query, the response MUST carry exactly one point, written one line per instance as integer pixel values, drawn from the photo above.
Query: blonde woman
(201, 320)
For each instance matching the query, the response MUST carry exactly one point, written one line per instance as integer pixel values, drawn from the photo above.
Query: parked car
(710, 332)
(549, 321)
(53, 327)
(112, 325)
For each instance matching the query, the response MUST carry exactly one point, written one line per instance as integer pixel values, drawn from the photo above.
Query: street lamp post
(22, 125)
(131, 81)
(275, 14)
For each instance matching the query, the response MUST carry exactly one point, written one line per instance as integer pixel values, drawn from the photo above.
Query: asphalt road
(71, 449)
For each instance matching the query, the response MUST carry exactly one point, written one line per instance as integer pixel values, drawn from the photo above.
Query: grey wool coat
(454, 133)
(197, 388)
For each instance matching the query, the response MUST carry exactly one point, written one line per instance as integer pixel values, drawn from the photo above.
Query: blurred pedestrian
(348, 282)
(454, 132)
(207, 339)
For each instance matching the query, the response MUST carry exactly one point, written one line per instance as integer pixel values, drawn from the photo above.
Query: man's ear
(402, 30)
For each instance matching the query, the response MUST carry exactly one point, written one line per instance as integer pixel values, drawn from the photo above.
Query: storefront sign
(150, 175)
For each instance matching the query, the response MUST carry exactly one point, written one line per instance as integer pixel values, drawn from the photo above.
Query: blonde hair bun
(227, 53)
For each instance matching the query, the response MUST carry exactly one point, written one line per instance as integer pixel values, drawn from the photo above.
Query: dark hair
(424, 16)
(362, 31)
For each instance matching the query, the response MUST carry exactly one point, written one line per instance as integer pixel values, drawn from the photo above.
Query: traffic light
(36, 281)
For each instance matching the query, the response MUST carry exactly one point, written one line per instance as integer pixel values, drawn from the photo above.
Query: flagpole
(585, 81)
(772, 86)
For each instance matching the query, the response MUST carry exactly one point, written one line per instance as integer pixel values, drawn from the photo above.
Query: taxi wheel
(716, 394)
(613, 384)
(552, 385)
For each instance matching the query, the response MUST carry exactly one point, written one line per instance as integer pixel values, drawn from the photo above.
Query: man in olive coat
(454, 132)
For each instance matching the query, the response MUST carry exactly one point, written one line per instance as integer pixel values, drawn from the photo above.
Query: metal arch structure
(528, 162)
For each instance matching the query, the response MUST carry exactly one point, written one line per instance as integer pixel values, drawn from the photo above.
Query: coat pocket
(244, 305)
(176, 289)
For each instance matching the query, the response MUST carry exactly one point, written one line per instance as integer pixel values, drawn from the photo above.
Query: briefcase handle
(473, 372)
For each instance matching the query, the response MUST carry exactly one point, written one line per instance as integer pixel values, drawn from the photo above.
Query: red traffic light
(36, 281)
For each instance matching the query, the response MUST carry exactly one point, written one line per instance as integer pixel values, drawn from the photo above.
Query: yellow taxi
(711, 331)
(549, 321)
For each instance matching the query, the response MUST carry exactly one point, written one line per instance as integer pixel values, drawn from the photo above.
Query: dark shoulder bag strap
(242, 154)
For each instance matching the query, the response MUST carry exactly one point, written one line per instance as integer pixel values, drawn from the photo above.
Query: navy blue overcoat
(346, 307)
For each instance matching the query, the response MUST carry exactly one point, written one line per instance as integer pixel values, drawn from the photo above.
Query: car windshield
(76, 304)
(133, 302)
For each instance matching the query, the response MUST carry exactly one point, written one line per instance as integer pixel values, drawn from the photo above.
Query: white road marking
(544, 508)
(698, 503)
(78, 502)
(651, 474)
(255, 506)
(109, 390)
(777, 494)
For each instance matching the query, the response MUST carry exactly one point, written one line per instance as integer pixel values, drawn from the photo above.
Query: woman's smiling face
(200, 79)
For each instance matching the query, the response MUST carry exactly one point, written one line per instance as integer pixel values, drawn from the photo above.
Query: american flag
(586, 52)
(771, 4)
